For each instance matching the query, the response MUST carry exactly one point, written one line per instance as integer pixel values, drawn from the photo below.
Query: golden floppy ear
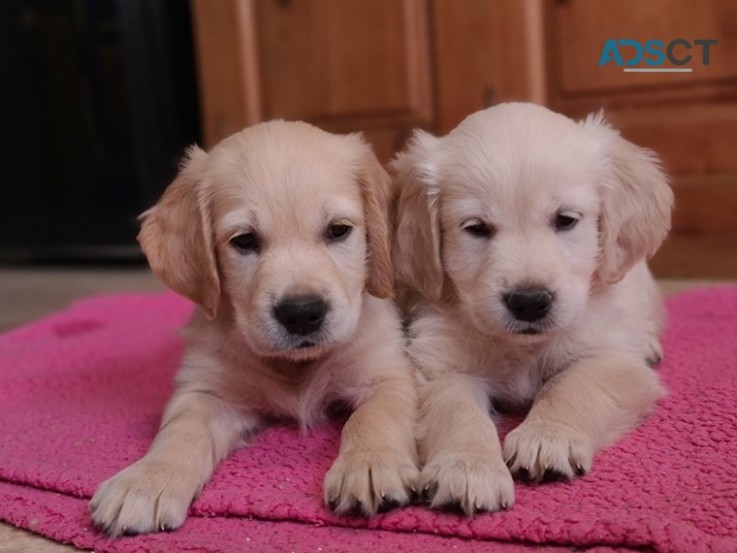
(176, 236)
(636, 203)
(417, 246)
(377, 191)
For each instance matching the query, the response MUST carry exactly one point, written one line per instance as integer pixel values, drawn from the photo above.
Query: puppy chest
(304, 402)
(514, 381)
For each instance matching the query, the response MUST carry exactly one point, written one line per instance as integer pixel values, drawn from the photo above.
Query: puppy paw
(368, 482)
(547, 451)
(468, 482)
(148, 496)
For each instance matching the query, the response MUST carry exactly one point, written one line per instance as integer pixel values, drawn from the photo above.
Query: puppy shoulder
(216, 361)
(622, 318)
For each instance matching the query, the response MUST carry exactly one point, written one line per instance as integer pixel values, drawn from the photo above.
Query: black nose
(302, 314)
(529, 304)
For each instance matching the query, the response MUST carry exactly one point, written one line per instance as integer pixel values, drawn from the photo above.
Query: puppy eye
(477, 228)
(339, 232)
(245, 243)
(564, 222)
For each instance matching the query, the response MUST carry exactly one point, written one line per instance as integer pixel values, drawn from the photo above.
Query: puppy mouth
(531, 329)
(303, 348)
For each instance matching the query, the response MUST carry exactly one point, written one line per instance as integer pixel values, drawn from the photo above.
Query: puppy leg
(463, 467)
(590, 404)
(198, 430)
(376, 469)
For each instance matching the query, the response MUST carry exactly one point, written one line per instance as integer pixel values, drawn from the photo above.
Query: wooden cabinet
(327, 60)
(690, 118)
(387, 66)
(579, 28)
(344, 65)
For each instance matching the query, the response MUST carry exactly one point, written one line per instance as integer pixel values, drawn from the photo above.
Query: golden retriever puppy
(525, 235)
(281, 234)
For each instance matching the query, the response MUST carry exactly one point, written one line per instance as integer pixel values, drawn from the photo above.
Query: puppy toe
(580, 458)
(145, 497)
(554, 475)
(544, 451)
(654, 353)
(388, 504)
(468, 483)
(367, 483)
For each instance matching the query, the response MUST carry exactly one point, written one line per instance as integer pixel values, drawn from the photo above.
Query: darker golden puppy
(281, 234)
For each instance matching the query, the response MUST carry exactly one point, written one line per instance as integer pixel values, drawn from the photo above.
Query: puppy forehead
(534, 182)
(518, 161)
(289, 175)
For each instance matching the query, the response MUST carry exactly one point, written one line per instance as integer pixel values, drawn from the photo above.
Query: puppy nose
(301, 315)
(529, 304)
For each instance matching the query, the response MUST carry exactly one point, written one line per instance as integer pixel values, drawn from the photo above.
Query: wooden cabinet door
(580, 28)
(345, 65)
(689, 119)
(324, 60)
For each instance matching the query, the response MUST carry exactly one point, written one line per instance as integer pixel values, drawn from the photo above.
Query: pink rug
(81, 393)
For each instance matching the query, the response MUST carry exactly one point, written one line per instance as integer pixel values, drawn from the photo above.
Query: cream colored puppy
(281, 235)
(525, 234)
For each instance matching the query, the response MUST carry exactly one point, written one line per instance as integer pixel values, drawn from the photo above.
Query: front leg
(198, 430)
(463, 464)
(376, 469)
(588, 405)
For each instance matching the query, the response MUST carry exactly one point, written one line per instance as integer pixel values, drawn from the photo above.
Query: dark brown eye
(564, 222)
(245, 243)
(339, 232)
(478, 229)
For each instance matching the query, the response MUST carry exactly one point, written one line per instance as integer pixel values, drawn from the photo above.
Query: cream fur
(584, 375)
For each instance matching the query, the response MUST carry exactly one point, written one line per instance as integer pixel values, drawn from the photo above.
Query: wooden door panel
(579, 29)
(329, 59)
(690, 138)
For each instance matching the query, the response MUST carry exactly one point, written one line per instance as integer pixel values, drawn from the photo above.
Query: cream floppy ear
(636, 203)
(176, 236)
(417, 245)
(378, 194)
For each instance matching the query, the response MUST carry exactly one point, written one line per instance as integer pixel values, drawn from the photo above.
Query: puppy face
(282, 226)
(526, 210)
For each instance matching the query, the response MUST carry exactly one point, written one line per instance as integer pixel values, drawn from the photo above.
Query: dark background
(97, 103)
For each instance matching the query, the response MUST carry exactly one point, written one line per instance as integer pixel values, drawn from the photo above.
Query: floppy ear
(417, 246)
(636, 203)
(378, 194)
(176, 237)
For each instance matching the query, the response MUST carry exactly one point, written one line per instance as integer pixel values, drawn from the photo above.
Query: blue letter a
(610, 53)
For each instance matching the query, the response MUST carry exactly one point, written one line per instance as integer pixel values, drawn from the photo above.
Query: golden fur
(481, 215)
(287, 184)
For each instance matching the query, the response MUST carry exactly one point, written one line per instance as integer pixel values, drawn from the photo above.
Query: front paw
(368, 482)
(148, 496)
(547, 451)
(469, 481)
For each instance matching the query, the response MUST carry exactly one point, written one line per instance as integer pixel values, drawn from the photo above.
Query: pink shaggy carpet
(81, 393)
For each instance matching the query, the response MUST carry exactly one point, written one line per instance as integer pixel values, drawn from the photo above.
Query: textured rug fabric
(81, 393)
